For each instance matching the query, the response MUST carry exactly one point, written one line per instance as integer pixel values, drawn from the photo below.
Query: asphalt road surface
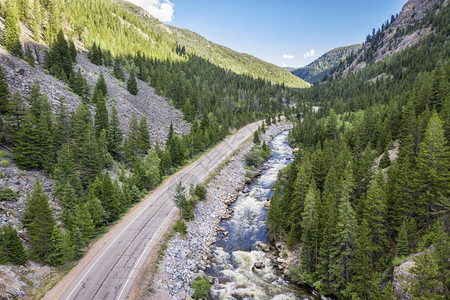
(112, 264)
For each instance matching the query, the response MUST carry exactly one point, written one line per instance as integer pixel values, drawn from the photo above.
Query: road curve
(111, 265)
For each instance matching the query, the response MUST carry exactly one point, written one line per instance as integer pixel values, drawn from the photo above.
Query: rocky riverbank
(186, 258)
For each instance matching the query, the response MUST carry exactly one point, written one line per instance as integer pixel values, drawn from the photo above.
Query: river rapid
(236, 253)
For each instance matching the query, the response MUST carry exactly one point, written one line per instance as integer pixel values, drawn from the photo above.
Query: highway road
(110, 267)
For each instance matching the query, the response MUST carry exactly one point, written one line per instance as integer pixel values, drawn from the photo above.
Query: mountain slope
(412, 26)
(316, 70)
(155, 32)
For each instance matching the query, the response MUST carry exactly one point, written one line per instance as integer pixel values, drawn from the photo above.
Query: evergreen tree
(115, 136)
(361, 266)
(144, 136)
(344, 236)
(441, 242)
(4, 93)
(59, 60)
(375, 214)
(101, 114)
(39, 222)
(90, 160)
(62, 125)
(101, 84)
(68, 200)
(431, 176)
(11, 33)
(83, 221)
(118, 71)
(77, 243)
(58, 247)
(256, 139)
(95, 208)
(26, 149)
(309, 231)
(36, 20)
(132, 83)
(13, 247)
(132, 141)
(104, 190)
(16, 115)
(402, 248)
(426, 284)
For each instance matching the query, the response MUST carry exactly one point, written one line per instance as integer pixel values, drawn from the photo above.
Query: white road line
(112, 243)
(145, 249)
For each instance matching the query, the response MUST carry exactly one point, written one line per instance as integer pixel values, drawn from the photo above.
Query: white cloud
(163, 10)
(288, 56)
(310, 53)
(284, 65)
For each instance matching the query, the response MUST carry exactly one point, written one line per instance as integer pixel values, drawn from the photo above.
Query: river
(236, 253)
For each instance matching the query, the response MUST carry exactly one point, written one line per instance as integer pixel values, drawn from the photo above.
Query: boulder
(259, 265)
(10, 286)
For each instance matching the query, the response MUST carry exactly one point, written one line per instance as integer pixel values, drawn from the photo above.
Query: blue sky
(283, 32)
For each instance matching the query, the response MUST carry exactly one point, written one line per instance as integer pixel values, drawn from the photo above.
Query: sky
(289, 33)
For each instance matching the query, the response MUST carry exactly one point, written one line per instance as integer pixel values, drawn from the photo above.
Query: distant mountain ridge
(316, 70)
(240, 63)
(410, 27)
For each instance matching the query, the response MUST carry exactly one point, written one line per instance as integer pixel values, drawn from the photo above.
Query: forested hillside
(64, 126)
(315, 71)
(370, 184)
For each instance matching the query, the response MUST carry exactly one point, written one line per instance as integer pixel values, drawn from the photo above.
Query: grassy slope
(224, 57)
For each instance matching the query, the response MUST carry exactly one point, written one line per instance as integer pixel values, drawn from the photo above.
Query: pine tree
(118, 71)
(36, 20)
(83, 221)
(402, 248)
(132, 83)
(11, 33)
(65, 170)
(361, 266)
(15, 117)
(95, 208)
(4, 93)
(144, 136)
(68, 199)
(59, 59)
(101, 84)
(385, 161)
(58, 247)
(79, 123)
(375, 214)
(104, 190)
(131, 144)
(344, 236)
(441, 242)
(426, 284)
(431, 176)
(39, 222)
(309, 232)
(13, 246)
(256, 139)
(26, 149)
(115, 136)
(90, 160)
(62, 125)
(101, 114)
(77, 243)
(152, 169)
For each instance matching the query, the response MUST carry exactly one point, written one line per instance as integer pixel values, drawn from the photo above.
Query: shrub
(181, 227)
(253, 158)
(200, 192)
(8, 195)
(5, 163)
(201, 287)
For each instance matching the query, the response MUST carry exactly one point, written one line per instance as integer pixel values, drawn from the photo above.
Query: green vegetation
(201, 287)
(315, 71)
(354, 224)
(8, 194)
(181, 227)
(11, 247)
(257, 155)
